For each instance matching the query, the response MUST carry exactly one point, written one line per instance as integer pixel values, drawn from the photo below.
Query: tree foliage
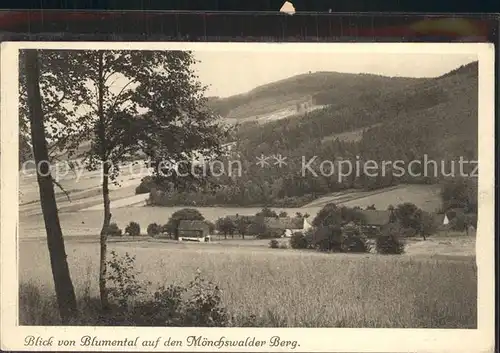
(267, 212)
(408, 215)
(414, 220)
(353, 239)
(122, 102)
(327, 238)
(299, 241)
(226, 226)
(133, 229)
(242, 224)
(188, 214)
(390, 241)
(151, 102)
(332, 215)
(460, 193)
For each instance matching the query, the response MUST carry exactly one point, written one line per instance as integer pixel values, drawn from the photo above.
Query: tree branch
(59, 142)
(123, 152)
(58, 102)
(108, 76)
(62, 189)
(113, 106)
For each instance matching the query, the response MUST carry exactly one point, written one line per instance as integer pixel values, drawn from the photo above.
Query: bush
(283, 245)
(122, 279)
(460, 193)
(327, 239)
(354, 240)
(142, 189)
(147, 183)
(257, 228)
(269, 234)
(114, 230)
(390, 241)
(371, 232)
(298, 241)
(356, 244)
(133, 229)
(211, 227)
(274, 244)
(349, 238)
(167, 229)
(471, 220)
(204, 308)
(198, 304)
(309, 235)
(428, 224)
(459, 222)
(154, 229)
(408, 232)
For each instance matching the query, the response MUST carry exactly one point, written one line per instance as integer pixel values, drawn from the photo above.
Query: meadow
(433, 285)
(282, 287)
(426, 197)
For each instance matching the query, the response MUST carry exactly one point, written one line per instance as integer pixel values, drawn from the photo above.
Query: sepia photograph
(220, 186)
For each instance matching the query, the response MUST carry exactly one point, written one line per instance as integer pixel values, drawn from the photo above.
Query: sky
(232, 72)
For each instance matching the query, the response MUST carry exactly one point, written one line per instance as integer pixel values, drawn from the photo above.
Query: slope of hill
(434, 119)
(323, 87)
(442, 109)
(448, 128)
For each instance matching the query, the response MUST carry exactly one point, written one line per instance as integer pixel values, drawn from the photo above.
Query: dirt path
(136, 200)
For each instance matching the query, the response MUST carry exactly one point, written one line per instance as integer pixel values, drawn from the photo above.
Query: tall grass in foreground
(287, 288)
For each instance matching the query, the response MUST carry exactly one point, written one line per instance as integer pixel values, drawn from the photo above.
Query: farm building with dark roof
(238, 217)
(376, 218)
(193, 229)
(283, 223)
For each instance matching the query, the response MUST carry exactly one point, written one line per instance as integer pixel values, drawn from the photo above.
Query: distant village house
(375, 219)
(444, 220)
(193, 230)
(287, 226)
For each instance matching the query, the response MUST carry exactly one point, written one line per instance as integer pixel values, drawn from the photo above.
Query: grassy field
(285, 287)
(425, 197)
(84, 190)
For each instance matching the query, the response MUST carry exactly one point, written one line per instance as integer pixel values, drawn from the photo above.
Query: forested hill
(444, 126)
(322, 87)
(406, 120)
(438, 115)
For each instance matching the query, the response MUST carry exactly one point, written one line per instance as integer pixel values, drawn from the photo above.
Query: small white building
(288, 225)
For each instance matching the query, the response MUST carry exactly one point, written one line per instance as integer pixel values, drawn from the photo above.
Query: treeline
(424, 125)
(460, 194)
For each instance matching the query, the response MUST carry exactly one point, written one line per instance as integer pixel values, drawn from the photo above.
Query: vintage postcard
(247, 197)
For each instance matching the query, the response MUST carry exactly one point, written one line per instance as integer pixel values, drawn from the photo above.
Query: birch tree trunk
(103, 292)
(65, 292)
